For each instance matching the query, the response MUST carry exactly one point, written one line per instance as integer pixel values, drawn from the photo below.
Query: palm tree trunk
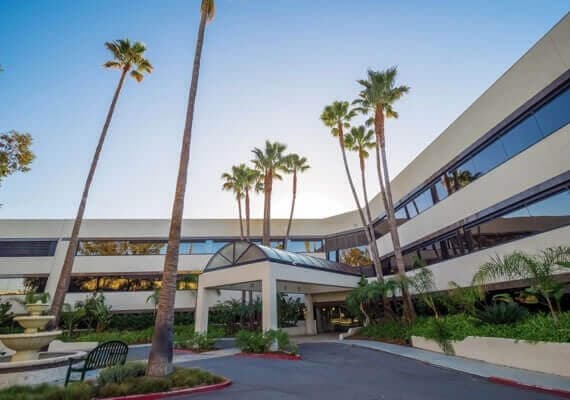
(267, 216)
(375, 253)
(292, 209)
(370, 238)
(160, 358)
(65, 274)
(385, 187)
(240, 219)
(247, 215)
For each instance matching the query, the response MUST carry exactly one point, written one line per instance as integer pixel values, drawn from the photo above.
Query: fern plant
(501, 313)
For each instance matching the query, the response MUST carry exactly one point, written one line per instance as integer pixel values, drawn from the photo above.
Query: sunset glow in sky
(269, 68)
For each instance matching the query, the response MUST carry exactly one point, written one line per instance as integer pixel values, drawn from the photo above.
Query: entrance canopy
(243, 252)
(244, 265)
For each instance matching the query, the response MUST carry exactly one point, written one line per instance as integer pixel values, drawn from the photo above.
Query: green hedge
(182, 333)
(138, 321)
(537, 327)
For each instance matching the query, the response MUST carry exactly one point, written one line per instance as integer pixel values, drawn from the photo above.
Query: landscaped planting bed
(536, 327)
(121, 382)
(274, 344)
(182, 333)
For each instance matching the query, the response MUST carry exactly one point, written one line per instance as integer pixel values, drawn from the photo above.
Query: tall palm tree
(233, 182)
(128, 58)
(337, 116)
(250, 180)
(269, 162)
(160, 358)
(378, 96)
(295, 164)
(361, 140)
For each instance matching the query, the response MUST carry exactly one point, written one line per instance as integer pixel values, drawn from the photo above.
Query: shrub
(75, 391)
(260, 342)
(198, 341)
(439, 331)
(387, 330)
(501, 313)
(190, 377)
(253, 342)
(120, 373)
(283, 341)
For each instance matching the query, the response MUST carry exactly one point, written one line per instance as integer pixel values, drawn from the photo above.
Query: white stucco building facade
(496, 180)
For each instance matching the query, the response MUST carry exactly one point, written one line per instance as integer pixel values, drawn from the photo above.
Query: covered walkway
(244, 265)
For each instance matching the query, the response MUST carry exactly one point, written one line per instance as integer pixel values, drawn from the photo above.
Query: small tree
(15, 153)
(423, 284)
(360, 299)
(540, 269)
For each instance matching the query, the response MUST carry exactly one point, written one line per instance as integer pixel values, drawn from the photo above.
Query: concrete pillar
(201, 313)
(310, 325)
(269, 303)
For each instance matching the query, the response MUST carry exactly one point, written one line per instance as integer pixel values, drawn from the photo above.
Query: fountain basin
(33, 323)
(50, 367)
(27, 345)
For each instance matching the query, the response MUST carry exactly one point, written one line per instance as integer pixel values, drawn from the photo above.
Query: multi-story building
(496, 180)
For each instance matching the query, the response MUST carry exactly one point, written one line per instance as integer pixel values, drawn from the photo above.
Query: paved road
(334, 371)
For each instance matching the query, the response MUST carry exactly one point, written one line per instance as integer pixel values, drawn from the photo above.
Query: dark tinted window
(554, 114)
(27, 248)
(15, 286)
(491, 156)
(550, 212)
(521, 136)
(124, 283)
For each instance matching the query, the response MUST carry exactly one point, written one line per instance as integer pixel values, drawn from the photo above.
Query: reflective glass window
(488, 158)
(555, 114)
(424, 200)
(441, 189)
(521, 136)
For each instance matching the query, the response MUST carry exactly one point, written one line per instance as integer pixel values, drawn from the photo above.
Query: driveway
(335, 371)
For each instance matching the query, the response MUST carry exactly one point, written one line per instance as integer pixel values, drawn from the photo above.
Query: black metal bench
(104, 355)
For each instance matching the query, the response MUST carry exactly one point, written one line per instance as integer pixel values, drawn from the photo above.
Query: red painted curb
(271, 356)
(179, 392)
(509, 382)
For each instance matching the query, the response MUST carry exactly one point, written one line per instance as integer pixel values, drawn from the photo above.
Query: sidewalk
(505, 375)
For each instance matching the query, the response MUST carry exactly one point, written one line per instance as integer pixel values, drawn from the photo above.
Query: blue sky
(269, 67)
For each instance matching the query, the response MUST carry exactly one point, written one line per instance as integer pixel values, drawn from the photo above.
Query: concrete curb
(271, 356)
(508, 382)
(172, 393)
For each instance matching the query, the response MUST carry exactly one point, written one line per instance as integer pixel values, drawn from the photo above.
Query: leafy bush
(392, 330)
(536, 327)
(260, 342)
(190, 377)
(181, 333)
(439, 331)
(139, 321)
(501, 313)
(253, 342)
(120, 373)
(75, 391)
(198, 341)
(283, 341)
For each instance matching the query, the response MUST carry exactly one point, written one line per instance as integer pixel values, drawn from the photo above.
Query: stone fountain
(28, 344)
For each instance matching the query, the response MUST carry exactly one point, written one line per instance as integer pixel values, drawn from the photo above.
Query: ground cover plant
(120, 380)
